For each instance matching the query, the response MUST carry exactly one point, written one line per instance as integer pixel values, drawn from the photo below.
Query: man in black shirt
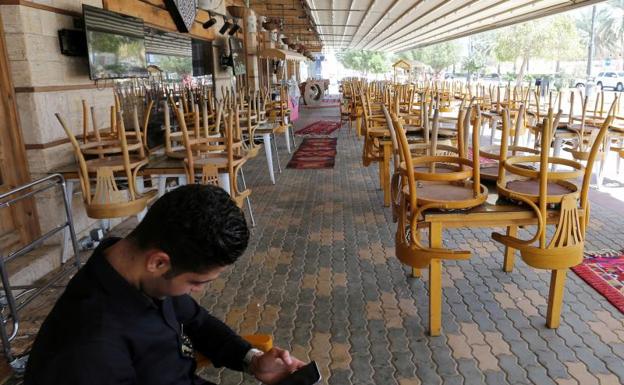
(127, 316)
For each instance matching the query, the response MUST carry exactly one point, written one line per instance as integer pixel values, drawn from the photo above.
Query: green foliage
(365, 61)
(564, 42)
(437, 56)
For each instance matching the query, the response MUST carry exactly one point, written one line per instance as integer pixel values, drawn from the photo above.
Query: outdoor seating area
(411, 228)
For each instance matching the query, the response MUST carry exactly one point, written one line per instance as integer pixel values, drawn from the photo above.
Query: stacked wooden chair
(425, 187)
(540, 190)
(109, 161)
(206, 156)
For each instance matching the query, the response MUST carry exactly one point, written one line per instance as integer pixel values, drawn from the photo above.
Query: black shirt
(102, 331)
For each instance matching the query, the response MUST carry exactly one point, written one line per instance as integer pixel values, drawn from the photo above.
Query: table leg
(493, 125)
(224, 181)
(617, 156)
(556, 150)
(269, 154)
(435, 282)
(416, 273)
(287, 134)
(508, 264)
(555, 298)
(385, 180)
(162, 184)
(140, 184)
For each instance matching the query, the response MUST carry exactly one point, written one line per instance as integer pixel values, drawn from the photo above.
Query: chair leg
(253, 221)
(291, 129)
(279, 166)
(242, 174)
(242, 179)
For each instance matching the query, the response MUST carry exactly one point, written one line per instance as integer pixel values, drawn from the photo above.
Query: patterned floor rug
(321, 127)
(604, 271)
(314, 153)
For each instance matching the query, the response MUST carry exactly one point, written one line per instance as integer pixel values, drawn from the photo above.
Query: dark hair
(198, 226)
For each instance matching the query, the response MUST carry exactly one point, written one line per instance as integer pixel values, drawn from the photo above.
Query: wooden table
(493, 213)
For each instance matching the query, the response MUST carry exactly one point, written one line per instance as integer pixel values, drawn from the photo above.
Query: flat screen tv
(202, 57)
(237, 51)
(115, 44)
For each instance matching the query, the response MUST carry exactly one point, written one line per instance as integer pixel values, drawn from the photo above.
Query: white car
(614, 80)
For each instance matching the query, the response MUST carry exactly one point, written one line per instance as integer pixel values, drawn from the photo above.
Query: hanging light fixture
(210, 22)
(225, 27)
(234, 29)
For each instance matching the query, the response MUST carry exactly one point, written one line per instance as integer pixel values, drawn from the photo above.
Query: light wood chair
(565, 248)
(108, 200)
(489, 171)
(425, 188)
(204, 155)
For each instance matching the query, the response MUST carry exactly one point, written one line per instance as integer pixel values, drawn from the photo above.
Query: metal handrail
(29, 292)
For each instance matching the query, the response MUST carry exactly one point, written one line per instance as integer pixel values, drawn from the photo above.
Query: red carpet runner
(604, 271)
(314, 153)
(322, 127)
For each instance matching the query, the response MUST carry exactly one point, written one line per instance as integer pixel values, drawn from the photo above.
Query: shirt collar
(113, 283)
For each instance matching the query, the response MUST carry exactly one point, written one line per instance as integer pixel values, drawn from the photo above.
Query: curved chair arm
(429, 252)
(518, 243)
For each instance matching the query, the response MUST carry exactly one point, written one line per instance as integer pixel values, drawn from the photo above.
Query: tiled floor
(320, 276)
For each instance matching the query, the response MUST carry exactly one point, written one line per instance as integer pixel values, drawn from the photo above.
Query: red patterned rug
(314, 153)
(604, 271)
(322, 127)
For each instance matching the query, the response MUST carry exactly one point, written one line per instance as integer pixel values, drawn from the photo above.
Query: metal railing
(16, 297)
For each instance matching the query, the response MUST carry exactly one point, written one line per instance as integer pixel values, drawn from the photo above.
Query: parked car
(492, 77)
(611, 79)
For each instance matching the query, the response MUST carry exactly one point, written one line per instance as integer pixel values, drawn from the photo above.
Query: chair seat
(121, 209)
(531, 187)
(116, 163)
(444, 192)
(218, 160)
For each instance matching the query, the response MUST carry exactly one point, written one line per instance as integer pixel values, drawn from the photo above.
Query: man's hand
(274, 365)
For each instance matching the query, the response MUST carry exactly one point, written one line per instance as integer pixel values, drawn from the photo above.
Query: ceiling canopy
(400, 25)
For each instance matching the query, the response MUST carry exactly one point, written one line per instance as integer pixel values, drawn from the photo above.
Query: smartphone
(307, 375)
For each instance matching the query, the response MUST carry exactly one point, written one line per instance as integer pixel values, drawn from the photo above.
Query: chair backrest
(107, 195)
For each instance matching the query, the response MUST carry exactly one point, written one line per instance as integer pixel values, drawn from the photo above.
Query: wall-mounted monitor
(170, 51)
(202, 57)
(115, 43)
(237, 50)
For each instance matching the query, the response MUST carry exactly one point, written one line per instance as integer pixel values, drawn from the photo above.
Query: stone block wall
(47, 82)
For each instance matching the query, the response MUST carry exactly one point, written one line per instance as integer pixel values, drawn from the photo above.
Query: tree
(480, 52)
(536, 38)
(611, 30)
(437, 56)
(364, 61)
(566, 40)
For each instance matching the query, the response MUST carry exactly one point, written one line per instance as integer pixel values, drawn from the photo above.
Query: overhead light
(225, 27)
(234, 28)
(210, 22)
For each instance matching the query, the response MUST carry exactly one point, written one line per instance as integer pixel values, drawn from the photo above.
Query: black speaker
(73, 42)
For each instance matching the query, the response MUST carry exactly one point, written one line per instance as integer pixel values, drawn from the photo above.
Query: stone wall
(47, 82)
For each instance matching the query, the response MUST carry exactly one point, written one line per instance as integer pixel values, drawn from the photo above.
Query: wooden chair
(248, 121)
(489, 171)
(373, 127)
(204, 155)
(108, 200)
(565, 249)
(425, 189)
